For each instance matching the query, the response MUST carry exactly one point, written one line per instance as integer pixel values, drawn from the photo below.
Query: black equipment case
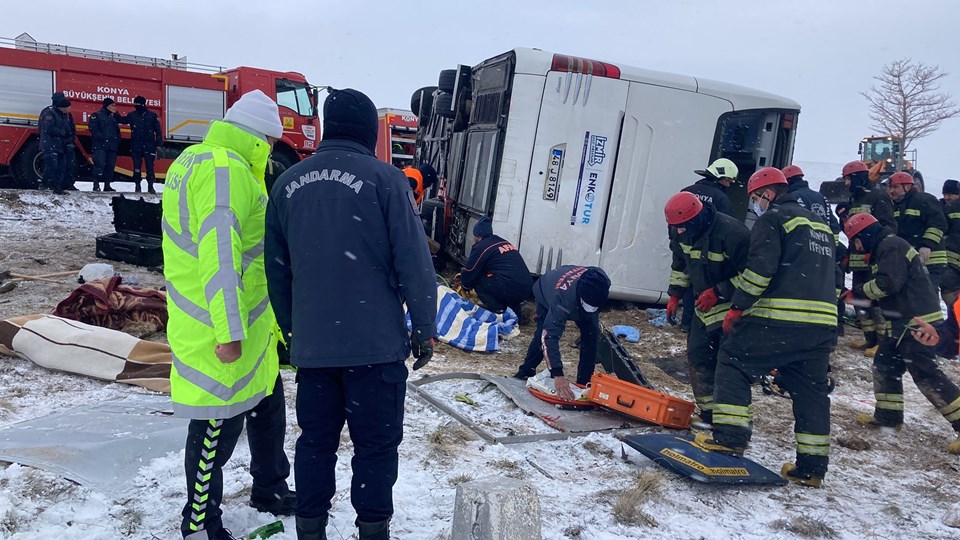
(137, 240)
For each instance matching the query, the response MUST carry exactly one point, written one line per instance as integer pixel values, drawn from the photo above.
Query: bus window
(478, 169)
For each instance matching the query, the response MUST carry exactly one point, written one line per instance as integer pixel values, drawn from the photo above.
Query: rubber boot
(136, 186)
(374, 531)
(954, 447)
(150, 187)
(312, 528)
(96, 186)
(106, 187)
(791, 473)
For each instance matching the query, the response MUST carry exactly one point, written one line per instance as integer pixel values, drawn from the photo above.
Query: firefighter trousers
(534, 356)
(702, 348)
(801, 356)
(890, 363)
(210, 443)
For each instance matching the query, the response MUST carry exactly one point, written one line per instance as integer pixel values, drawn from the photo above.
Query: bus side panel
(571, 168)
(514, 174)
(667, 133)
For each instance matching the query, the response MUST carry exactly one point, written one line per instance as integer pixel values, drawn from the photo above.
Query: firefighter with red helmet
(710, 249)
(865, 197)
(920, 221)
(901, 287)
(783, 316)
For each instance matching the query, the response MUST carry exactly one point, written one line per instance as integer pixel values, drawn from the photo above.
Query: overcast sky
(820, 53)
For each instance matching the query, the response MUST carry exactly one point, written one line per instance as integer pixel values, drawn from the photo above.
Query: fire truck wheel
(28, 166)
(448, 79)
(283, 159)
(422, 96)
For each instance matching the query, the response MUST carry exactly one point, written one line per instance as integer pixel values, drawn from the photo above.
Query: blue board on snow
(680, 455)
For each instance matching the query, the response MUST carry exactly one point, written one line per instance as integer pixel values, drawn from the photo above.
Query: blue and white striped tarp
(467, 326)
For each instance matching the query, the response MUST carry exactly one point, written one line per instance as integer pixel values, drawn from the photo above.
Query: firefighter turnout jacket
(710, 261)
(214, 207)
(922, 223)
(873, 201)
(900, 285)
(789, 279)
(951, 238)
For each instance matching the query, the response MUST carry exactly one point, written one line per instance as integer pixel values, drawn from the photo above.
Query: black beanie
(429, 175)
(60, 100)
(593, 287)
(951, 187)
(483, 228)
(108, 102)
(139, 100)
(349, 114)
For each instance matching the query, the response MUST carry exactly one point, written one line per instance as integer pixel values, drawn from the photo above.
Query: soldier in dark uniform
(57, 134)
(105, 131)
(145, 137)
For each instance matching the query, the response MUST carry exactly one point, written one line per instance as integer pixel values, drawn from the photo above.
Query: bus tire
(421, 101)
(448, 80)
(27, 167)
(445, 105)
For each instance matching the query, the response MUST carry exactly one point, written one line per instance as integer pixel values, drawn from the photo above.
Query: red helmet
(857, 223)
(682, 207)
(765, 177)
(792, 170)
(853, 167)
(900, 178)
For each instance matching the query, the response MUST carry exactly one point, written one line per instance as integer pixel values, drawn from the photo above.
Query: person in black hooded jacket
(145, 137)
(344, 252)
(105, 131)
(566, 293)
(712, 188)
(496, 270)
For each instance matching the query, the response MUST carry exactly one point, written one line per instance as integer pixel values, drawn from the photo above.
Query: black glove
(421, 350)
(283, 353)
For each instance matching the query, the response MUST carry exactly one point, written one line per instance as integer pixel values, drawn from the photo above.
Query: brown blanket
(107, 303)
(75, 347)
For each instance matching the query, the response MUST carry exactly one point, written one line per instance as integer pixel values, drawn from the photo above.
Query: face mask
(755, 206)
(587, 307)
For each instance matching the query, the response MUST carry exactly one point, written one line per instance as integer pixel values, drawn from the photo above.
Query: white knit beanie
(255, 111)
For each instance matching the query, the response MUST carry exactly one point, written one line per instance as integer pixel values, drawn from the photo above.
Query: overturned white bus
(574, 159)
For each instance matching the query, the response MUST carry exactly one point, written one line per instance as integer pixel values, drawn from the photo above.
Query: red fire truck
(396, 136)
(185, 96)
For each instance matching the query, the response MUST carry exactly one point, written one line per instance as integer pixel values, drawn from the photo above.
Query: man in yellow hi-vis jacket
(225, 367)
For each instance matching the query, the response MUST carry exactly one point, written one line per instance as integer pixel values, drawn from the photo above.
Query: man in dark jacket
(786, 297)
(57, 134)
(566, 293)
(810, 199)
(901, 287)
(496, 270)
(865, 197)
(105, 132)
(345, 251)
(950, 281)
(921, 222)
(145, 137)
(712, 250)
(713, 186)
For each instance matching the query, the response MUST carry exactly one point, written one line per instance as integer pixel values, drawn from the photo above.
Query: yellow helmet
(721, 168)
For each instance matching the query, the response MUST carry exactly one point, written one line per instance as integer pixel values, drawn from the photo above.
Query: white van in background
(574, 159)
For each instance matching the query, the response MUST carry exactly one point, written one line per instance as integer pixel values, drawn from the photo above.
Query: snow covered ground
(881, 485)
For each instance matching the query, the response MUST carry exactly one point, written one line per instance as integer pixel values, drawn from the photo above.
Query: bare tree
(908, 103)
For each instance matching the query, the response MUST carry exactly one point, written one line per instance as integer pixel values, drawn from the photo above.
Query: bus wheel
(28, 166)
(421, 101)
(448, 79)
(445, 106)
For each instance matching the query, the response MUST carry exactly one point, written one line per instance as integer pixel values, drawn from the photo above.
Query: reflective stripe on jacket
(921, 222)
(789, 279)
(711, 261)
(214, 206)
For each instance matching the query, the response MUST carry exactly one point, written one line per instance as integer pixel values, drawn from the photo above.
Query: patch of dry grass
(627, 506)
(597, 449)
(459, 479)
(510, 468)
(805, 527)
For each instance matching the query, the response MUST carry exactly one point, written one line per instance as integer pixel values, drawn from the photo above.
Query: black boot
(106, 187)
(150, 187)
(136, 186)
(374, 531)
(96, 186)
(312, 528)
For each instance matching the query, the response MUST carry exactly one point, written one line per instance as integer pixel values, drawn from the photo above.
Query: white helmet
(721, 168)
